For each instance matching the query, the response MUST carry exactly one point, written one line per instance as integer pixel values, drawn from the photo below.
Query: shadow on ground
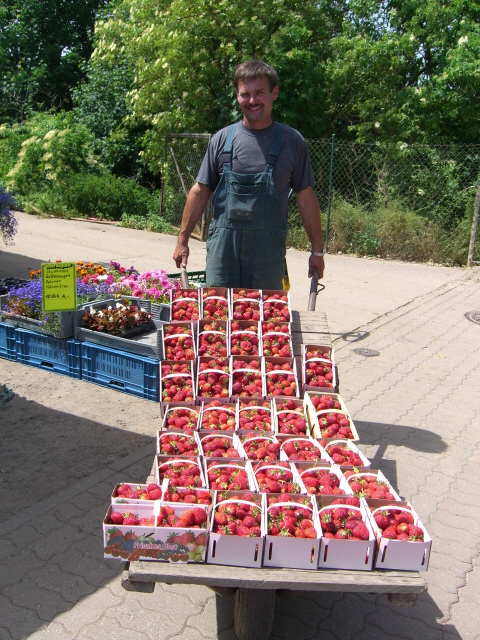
(15, 264)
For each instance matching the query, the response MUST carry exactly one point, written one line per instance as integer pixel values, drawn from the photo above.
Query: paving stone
(92, 546)
(311, 611)
(56, 542)
(46, 523)
(132, 615)
(66, 511)
(71, 587)
(6, 635)
(46, 603)
(472, 586)
(347, 616)
(166, 600)
(20, 622)
(466, 617)
(217, 616)
(88, 610)
(196, 593)
(23, 537)
(86, 501)
(110, 629)
(7, 549)
(53, 631)
(292, 628)
(392, 620)
(16, 567)
(371, 632)
(89, 522)
(94, 571)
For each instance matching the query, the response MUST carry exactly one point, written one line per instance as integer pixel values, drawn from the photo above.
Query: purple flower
(8, 223)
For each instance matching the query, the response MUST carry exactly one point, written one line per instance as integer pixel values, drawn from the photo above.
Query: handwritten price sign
(59, 282)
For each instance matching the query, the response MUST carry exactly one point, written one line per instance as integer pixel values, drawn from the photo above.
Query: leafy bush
(8, 223)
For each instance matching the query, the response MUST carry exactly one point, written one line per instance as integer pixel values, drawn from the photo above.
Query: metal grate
(473, 316)
(369, 353)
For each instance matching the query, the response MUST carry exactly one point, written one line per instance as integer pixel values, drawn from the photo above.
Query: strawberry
(278, 479)
(247, 378)
(321, 481)
(177, 382)
(291, 418)
(178, 342)
(244, 342)
(334, 425)
(199, 515)
(227, 520)
(215, 307)
(343, 523)
(116, 517)
(261, 448)
(369, 487)
(212, 340)
(275, 307)
(178, 444)
(129, 519)
(255, 418)
(181, 473)
(185, 305)
(291, 522)
(218, 417)
(343, 454)
(301, 449)
(246, 305)
(181, 418)
(318, 373)
(219, 447)
(276, 340)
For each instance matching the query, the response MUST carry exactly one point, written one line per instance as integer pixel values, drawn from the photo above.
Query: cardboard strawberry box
(277, 339)
(297, 448)
(410, 554)
(370, 484)
(248, 378)
(345, 553)
(345, 454)
(218, 415)
(316, 400)
(229, 475)
(260, 447)
(181, 472)
(221, 444)
(215, 303)
(177, 384)
(120, 540)
(179, 444)
(186, 305)
(276, 305)
(254, 415)
(213, 379)
(179, 341)
(230, 549)
(319, 360)
(281, 379)
(182, 541)
(179, 495)
(334, 483)
(213, 338)
(177, 417)
(246, 304)
(289, 417)
(287, 543)
(334, 423)
(245, 338)
(134, 493)
(278, 477)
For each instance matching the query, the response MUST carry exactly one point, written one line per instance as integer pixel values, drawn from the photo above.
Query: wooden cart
(255, 589)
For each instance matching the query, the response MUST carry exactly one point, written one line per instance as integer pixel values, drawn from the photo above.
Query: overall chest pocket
(245, 199)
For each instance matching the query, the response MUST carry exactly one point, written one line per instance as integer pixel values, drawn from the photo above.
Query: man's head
(256, 84)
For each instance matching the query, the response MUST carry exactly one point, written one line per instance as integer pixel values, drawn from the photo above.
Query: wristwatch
(320, 254)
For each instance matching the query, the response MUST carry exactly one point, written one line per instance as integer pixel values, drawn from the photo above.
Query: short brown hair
(253, 69)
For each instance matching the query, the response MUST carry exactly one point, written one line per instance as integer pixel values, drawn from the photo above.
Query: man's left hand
(316, 263)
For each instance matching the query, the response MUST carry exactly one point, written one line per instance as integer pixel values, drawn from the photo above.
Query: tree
(42, 45)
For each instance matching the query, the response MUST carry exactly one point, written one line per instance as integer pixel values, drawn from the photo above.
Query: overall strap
(227, 149)
(275, 147)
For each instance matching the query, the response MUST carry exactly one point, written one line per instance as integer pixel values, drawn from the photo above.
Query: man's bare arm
(195, 205)
(310, 215)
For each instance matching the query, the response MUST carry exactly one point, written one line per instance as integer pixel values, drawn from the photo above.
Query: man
(251, 167)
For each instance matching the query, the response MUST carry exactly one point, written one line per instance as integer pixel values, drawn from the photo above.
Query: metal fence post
(473, 235)
(330, 190)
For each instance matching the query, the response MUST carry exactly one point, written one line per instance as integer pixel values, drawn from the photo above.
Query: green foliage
(42, 45)
(152, 222)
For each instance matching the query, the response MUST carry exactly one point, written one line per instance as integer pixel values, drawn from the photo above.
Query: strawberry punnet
(187, 496)
(322, 481)
(247, 378)
(215, 307)
(213, 378)
(335, 424)
(218, 418)
(246, 305)
(291, 521)
(212, 340)
(343, 455)
(181, 473)
(275, 478)
(319, 374)
(291, 418)
(301, 449)
(131, 519)
(397, 524)
(275, 307)
(368, 486)
(178, 444)
(177, 382)
(238, 518)
(181, 418)
(185, 305)
(276, 340)
(195, 518)
(261, 448)
(178, 342)
(244, 340)
(137, 492)
(216, 446)
(280, 379)
(227, 477)
(343, 521)
(255, 418)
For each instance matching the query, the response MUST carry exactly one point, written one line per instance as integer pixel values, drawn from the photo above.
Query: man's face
(256, 102)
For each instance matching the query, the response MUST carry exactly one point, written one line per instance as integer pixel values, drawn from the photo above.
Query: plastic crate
(8, 349)
(137, 375)
(52, 354)
(197, 277)
(65, 327)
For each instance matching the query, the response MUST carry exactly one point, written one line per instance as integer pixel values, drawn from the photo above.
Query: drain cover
(473, 316)
(370, 353)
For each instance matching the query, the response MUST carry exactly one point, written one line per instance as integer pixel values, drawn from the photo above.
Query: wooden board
(299, 580)
(309, 327)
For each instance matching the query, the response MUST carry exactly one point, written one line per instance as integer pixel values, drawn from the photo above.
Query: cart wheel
(254, 613)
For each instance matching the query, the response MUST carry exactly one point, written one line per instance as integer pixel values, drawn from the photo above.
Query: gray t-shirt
(292, 170)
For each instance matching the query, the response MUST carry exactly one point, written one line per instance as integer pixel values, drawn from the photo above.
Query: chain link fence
(392, 200)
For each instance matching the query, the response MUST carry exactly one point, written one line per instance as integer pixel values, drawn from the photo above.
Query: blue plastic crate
(8, 349)
(137, 375)
(52, 354)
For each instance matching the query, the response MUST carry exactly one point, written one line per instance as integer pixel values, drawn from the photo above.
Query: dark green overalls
(246, 240)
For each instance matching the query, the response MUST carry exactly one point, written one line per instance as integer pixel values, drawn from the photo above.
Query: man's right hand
(181, 253)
